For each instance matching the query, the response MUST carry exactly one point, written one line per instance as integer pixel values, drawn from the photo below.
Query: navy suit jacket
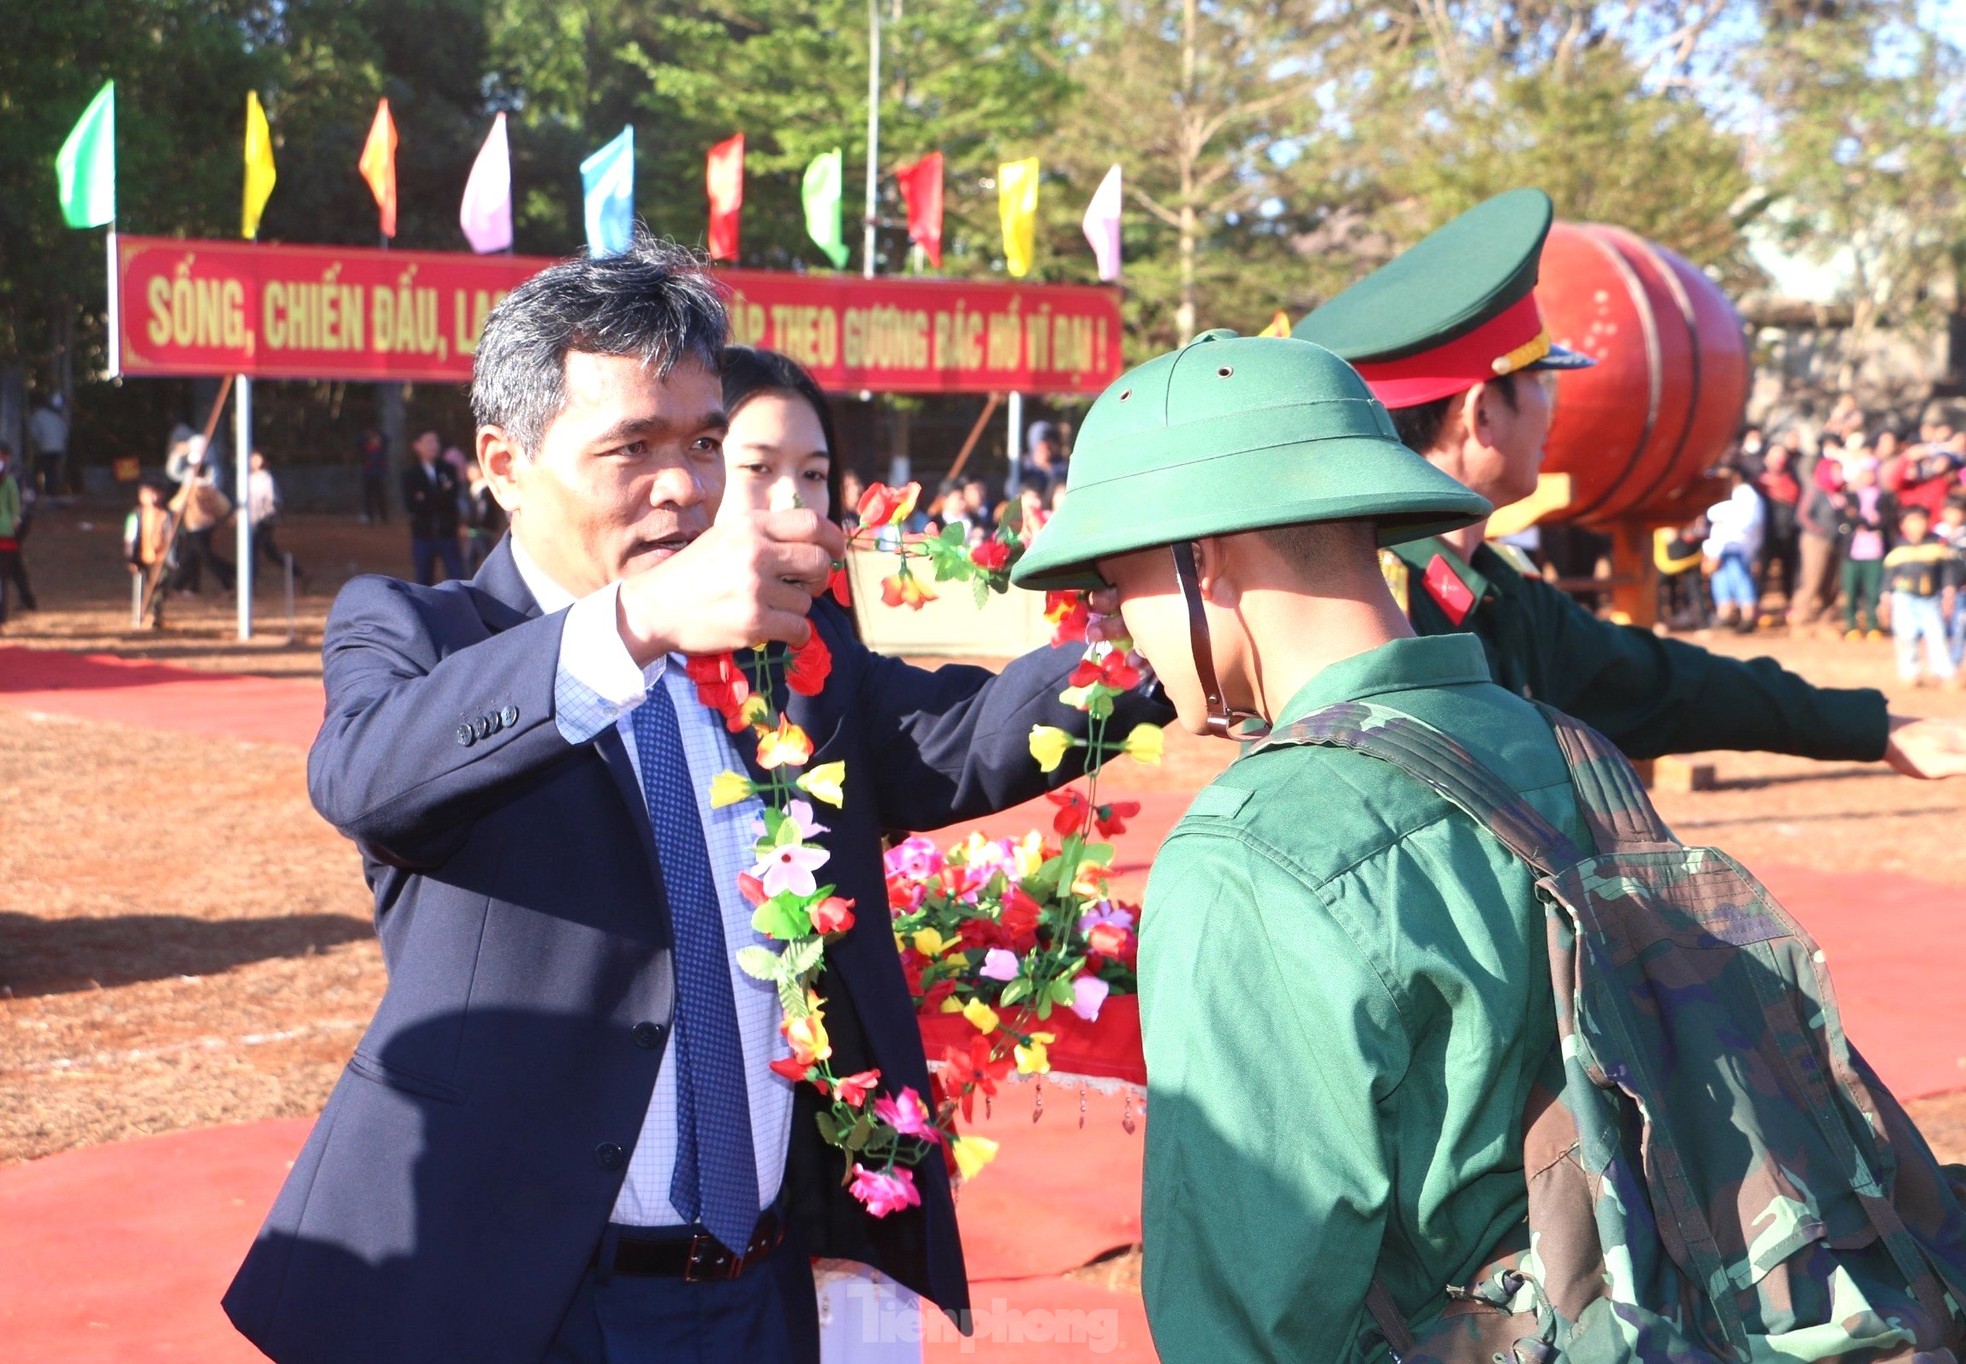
(447, 1202)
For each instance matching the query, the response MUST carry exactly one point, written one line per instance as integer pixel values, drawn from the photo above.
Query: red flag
(724, 179)
(921, 190)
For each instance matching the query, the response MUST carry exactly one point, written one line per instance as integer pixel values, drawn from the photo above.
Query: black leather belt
(690, 1253)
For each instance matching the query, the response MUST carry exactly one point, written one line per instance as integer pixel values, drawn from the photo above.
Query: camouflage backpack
(1721, 1176)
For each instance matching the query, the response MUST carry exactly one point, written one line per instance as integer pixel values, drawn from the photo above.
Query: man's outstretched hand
(744, 581)
(1927, 748)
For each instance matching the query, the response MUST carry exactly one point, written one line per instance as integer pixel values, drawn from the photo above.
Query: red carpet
(119, 1253)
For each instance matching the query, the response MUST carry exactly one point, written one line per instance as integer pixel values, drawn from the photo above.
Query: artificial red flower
(834, 914)
(840, 585)
(852, 1090)
(1111, 819)
(1068, 615)
(751, 888)
(992, 556)
(1019, 917)
(904, 894)
(807, 666)
(881, 505)
(971, 1070)
(1073, 811)
(905, 589)
(1113, 671)
(722, 686)
(791, 1067)
(1108, 940)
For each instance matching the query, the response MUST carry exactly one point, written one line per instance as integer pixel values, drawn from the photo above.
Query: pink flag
(486, 215)
(724, 179)
(1102, 225)
(921, 190)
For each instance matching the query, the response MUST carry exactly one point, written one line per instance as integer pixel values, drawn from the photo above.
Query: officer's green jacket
(1646, 694)
(1345, 996)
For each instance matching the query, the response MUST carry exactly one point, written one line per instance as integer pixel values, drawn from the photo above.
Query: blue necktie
(716, 1179)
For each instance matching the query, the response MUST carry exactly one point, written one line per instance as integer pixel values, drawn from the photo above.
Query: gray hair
(654, 301)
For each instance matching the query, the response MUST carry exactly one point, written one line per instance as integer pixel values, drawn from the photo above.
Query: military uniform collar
(1395, 666)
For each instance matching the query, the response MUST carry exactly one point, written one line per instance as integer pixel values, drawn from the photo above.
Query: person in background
(263, 514)
(484, 519)
(430, 497)
(1923, 576)
(1781, 537)
(1816, 527)
(1924, 477)
(147, 547)
(1952, 529)
(1031, 512)
(976, 508)
(200, 509)
(190, 454)
(1043, 465)
(852, 489)
(47, 432)
(10, 519)
(372, 450)
(1734, 531)
(1865, 514)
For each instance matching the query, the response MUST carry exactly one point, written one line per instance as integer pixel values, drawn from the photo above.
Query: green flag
(823, 183)
(86, 165)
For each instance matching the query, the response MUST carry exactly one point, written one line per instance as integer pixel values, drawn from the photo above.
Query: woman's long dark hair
(751, 370)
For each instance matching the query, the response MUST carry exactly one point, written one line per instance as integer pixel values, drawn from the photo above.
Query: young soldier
(1344, 982)
(1449, 338)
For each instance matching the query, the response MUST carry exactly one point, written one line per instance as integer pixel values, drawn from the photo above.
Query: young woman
(781, 435)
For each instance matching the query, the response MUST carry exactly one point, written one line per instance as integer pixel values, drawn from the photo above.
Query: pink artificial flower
(790, 867)
(1088, 994)
(915, 858)
(908, 1115)
(800, 813)
(884, 1193)
(999, 965)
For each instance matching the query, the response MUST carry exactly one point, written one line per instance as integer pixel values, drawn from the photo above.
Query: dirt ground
(183, 942)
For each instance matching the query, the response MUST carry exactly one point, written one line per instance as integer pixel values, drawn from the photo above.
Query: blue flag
(607, 186)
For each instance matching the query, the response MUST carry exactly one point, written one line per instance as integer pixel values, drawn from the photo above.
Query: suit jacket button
(609, 1156)
(465, 736)
(482, 726)
(648, 1035)
(509, 716)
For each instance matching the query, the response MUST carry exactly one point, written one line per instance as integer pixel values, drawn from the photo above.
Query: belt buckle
(710, 1261)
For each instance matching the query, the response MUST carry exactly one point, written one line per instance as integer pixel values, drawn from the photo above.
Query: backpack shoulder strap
(1613, 800)
(1428, 756)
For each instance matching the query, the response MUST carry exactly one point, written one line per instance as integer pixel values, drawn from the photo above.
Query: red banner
(317, 312)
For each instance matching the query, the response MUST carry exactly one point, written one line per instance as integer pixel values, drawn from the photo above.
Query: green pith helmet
(1234, 433)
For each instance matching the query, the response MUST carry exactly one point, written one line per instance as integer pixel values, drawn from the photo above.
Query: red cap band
(1460, 364)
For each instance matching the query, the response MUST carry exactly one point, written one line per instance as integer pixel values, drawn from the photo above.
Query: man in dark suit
(559, 1138)
(430, 498)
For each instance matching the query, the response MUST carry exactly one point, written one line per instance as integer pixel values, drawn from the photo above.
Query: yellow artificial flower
(951, 1005)
(1028, 853)
(930, 942)
(1049, 744)
(1031, 1059)
(982, 1016)
(972, 1154)
(808, 1038)
(787, 745)
(1143, 745)
(824, 783)
(728, 788)
(753, 709)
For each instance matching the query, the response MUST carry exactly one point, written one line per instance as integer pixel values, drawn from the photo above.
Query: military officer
(1449, 338)
(1234, 493)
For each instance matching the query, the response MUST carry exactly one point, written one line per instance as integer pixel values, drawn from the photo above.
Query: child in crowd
(1923, 576)
(1733, 541)
(1952, 529)
(1865, 513)
(263, 507)
(147, 545)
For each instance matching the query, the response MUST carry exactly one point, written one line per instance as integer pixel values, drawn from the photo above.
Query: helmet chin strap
(1224, 721)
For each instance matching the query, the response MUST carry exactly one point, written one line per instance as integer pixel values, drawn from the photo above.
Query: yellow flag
(259, 165)
(1017, 206)
(1279, 325)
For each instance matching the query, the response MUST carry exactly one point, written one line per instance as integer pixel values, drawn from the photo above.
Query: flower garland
(1056, 949)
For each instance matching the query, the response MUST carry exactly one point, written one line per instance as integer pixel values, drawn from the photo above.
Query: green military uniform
(1646, 694)
(1456, 310)
(1344, 1000)
(1345, 995)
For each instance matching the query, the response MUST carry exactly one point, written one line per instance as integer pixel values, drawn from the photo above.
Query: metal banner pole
(242, 473)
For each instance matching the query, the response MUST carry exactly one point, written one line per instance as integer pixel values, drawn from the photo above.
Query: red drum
(1671, 381)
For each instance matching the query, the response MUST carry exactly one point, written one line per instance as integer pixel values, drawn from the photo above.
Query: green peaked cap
(1233, 433)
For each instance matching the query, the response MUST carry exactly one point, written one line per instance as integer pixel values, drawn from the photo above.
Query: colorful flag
(259, 166)
(1017, 208)
(607, 192)
(1279, 325)
(85, 168)
(820, 192)
(378, 165)
(921, 190)
(724, 179)
(486, 213)
(1102, 225)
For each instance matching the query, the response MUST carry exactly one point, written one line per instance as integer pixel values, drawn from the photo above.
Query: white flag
(1102, 225)
(486, 215)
